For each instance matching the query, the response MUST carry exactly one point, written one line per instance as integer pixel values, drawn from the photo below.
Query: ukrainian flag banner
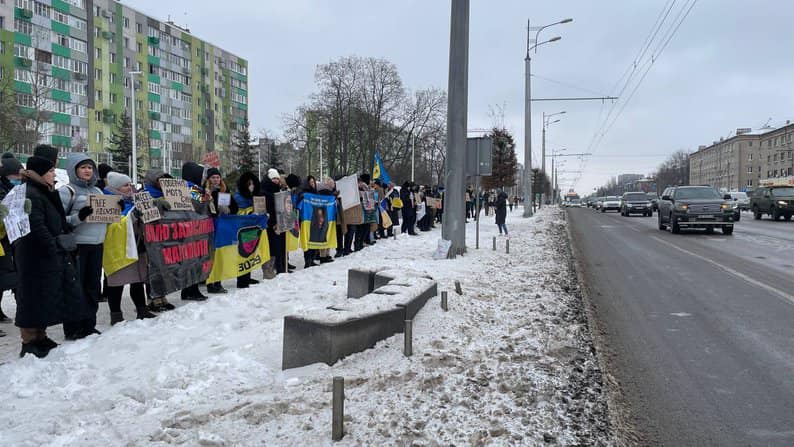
(318, 222)
(120, 248)
(240, 245)
(379, 172)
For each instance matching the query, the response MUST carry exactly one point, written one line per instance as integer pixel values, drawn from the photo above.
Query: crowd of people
(56, 271)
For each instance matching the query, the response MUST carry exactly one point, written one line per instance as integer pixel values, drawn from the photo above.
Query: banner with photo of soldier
(180, 248)
(286, 214)
(318, 222)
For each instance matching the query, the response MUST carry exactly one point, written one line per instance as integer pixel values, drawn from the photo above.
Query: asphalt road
(697, 329)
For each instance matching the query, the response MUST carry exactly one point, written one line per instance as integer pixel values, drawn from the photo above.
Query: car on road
(635, 203)
(741, 200)
(777, 201)
(574, 203)
(654, 199)
(695, 207)
(610, 203)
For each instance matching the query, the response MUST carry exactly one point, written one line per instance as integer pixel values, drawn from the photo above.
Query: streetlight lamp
(134, 161)
(528, 108)
(546, 123)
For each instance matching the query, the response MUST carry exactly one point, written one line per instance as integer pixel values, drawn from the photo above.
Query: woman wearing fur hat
(48, 289)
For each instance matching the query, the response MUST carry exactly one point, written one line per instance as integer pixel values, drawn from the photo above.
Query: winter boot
(167, 305)
(143, 313)
(252, 281)
(216, 288)
(116, 317)
(48, 343)
(35, 348)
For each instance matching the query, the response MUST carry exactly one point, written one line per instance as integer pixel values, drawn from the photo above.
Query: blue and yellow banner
(318, 222)
(240, 245)
(379, 172)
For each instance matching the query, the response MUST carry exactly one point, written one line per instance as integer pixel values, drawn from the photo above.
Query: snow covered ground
(509, 364)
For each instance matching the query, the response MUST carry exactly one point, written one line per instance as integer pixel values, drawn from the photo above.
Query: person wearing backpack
(89, 237)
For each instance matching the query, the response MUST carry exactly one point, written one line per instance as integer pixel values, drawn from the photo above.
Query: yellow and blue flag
(379, 172)
(318, 222)
(240, 245)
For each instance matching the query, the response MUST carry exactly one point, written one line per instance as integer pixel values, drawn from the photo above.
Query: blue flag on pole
(379, 172)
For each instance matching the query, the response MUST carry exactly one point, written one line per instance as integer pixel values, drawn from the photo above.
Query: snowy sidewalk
(509, 364)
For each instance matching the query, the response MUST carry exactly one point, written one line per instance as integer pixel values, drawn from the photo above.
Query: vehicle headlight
(682, 207)
(782, 202)
(648, 203)
(726, 206)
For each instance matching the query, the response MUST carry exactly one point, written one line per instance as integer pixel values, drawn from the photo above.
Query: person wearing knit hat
(135, 274)
(45, 264)
(48, 152)
(273, 173)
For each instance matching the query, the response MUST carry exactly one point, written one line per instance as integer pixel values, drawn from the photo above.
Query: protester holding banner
(393, 206)
(326, 188)
(47, 292)
(136, 273)
(217, 189)
(278, 242)
(9, 178)
(193, 174)
(89, 237)
(248, 187)
(309, 187)
(151, 184)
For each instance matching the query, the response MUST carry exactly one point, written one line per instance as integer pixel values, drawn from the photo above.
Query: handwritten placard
(212, 159)
(17, 223)
(260, 205)
(224, 199)
(144, 203)
(177, 194)
(106, 208)
(433, 203)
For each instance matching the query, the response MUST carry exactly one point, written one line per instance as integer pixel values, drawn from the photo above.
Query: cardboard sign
(145, 204)
(17, 223)
(348, 191)
(106, 209)
(211, 159)
(433, 203)
(260, 205)
(177, 194)
(224, 199)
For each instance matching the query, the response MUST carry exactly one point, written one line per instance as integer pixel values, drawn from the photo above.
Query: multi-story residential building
(739, 162)
(73, 63)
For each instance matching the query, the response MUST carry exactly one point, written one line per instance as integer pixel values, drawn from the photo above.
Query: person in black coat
(277, 242)
(409, 209)
(9, 177)
(501, 211)
(48, 292)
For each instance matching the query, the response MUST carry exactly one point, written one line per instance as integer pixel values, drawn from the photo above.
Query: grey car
(635, 203)
(695, 207)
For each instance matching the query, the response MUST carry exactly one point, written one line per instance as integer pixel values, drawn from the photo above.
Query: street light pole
(134, 161)
(413, 157)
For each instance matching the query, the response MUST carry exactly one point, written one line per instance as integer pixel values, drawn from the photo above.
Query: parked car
(610, 203)
(741, 199)
(777, 201)
(635, 203)
(695, 207)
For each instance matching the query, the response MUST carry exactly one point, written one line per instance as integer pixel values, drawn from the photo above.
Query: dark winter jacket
(245, 198)
(49, 292)
(269, 189)
(408, 204)
(501, 208)
(8, 273)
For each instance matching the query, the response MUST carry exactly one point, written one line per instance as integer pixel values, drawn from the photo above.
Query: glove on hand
(28, 206)
(85, 212)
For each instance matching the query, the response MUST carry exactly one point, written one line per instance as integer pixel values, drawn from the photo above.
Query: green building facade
(74, 61)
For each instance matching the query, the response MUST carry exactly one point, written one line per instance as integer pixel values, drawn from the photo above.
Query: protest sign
(368, 200)
(17, 223)
(211, 159)
(241, 245)
(285, 212)
(180, 248)
(421, 210)
(348, 191)
(433, 203)
(106, 208)
(224, 199)
(177, 194)
(145, 205)
(260, 205)
(318, 222)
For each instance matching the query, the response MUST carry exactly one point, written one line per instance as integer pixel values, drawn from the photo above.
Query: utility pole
(413, 157)
(134, 160)
(454, 226)
(529, 199)
(320, 149)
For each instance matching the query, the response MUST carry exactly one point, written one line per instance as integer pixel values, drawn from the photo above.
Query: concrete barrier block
(359, 282)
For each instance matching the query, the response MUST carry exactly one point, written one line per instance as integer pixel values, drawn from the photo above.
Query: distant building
(628, 178)
(739, 162)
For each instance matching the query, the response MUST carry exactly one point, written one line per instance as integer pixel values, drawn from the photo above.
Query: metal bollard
(338, 409)
(396, 230)
(507, 246)
(409, 346)
(444, 304)
(494, 243)
(458, 289)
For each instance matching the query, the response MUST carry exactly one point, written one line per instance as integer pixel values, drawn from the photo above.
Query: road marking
(681, 314)
(755, 282)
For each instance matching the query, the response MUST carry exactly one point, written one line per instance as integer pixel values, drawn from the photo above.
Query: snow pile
(509, 364)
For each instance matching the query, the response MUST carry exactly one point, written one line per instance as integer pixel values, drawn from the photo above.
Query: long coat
(48, 292)
(501, 209)
(8, 273)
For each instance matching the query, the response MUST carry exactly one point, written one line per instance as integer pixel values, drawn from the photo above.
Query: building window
(112, 58)
(126, 22)
(98, 53)
(98, 74)
(98, 95)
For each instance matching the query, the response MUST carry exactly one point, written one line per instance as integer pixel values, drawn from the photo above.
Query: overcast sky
(729, 65)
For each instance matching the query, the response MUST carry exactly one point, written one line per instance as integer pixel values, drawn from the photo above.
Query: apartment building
(74, 63)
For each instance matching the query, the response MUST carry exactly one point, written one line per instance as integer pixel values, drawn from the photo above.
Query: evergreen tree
(504, 164)
(246, 153)
(121, 144)
(272, 155)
